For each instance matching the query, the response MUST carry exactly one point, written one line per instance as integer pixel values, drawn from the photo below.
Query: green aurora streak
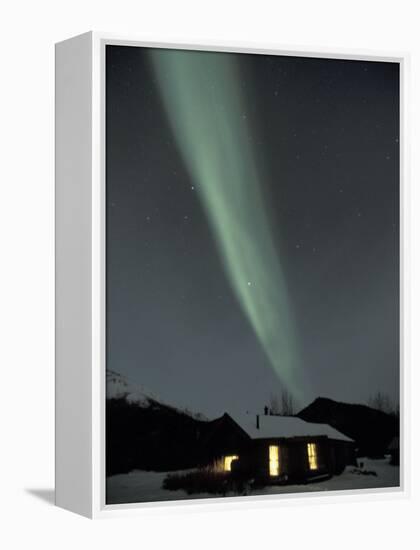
(206, 109)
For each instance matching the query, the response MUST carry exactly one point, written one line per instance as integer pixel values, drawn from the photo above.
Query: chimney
(258, 421)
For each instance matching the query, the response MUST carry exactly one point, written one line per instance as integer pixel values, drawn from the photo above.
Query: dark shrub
(209, 481)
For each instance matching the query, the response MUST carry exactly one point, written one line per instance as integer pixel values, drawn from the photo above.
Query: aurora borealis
(206, 108)
(252, 211)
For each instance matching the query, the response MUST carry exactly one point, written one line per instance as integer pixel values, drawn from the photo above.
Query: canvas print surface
(252, 274)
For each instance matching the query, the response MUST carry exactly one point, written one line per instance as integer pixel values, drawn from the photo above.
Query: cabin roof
(272, 426)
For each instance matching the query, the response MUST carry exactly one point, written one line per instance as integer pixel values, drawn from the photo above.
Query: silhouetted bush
(207, 481)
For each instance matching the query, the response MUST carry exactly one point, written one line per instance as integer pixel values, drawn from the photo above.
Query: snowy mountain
(119, 387)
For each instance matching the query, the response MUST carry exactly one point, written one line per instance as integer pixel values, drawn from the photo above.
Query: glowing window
(274, 464)
(312, 456)
(227, 463)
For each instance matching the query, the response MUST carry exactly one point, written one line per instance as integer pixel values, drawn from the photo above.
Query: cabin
(278, 449)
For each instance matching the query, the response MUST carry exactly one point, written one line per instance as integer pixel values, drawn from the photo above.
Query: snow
(285, 426)
(350, 479)
(142, 486)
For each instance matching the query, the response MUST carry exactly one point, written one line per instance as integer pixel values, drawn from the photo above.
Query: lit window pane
(228, 462)
(273, 455)
(312, 456)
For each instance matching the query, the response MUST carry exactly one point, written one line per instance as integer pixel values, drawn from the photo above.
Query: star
(249, 283)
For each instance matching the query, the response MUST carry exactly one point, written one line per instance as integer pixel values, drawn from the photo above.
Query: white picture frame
(80, 276)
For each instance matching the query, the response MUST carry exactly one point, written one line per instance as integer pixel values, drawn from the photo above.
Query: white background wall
(28, 32)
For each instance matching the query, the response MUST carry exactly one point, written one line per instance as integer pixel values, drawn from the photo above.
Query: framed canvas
(229, 274)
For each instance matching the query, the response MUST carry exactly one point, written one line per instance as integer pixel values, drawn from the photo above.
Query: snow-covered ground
(351, 478)
(141, 486)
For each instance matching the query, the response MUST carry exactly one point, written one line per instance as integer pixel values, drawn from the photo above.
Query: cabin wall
(293, 458)
(299, 461)
(332, 457)
(225, 438)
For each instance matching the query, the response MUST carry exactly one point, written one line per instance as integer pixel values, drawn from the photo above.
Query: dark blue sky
(327, 132)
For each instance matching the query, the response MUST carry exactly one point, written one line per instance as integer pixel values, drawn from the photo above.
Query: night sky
(324, 136)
